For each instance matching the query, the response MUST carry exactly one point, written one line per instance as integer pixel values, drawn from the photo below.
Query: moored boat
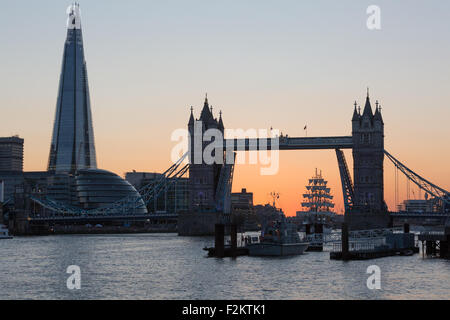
(4, 233)
(278, 238)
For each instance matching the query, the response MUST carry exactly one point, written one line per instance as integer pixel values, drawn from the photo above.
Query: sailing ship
(317, 197)
(317, 202)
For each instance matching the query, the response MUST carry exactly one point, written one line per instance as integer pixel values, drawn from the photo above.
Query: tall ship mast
(317, 197)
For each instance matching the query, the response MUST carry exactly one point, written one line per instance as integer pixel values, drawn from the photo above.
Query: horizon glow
(263, 63)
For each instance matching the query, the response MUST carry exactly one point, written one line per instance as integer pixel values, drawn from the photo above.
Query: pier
(349, 245)
(373, 244)
(220, 249)
(436, 243)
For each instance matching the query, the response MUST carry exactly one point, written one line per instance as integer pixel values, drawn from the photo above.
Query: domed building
(95, 188)
(90, 189)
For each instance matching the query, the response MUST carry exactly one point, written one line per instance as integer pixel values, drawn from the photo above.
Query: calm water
(165, 266)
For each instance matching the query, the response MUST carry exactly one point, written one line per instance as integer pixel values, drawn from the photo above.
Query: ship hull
(276, 249)
(4, 233)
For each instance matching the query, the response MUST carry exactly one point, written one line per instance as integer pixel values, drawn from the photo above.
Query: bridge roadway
(93, 218)
(291, 143)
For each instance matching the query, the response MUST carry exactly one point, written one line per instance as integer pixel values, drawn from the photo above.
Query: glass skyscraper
(72, 146)
(74, 179)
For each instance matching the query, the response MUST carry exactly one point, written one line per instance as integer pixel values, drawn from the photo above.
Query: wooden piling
(429, 247)
(406, 228)
(443, 252)
(445, 245)
(307, 229)
(219, 244)
(344, 239)
(233, 233)
(318, 228)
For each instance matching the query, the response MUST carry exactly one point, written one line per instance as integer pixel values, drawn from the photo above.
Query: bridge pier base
(18, 223)
(198, 223)
(369, 220)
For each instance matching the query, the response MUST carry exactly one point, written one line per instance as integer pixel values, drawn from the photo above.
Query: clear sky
(263, 63)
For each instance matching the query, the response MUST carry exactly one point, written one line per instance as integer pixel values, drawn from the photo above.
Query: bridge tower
(368, 156)
(203, 178)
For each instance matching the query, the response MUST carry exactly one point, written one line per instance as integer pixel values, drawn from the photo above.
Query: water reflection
(165, 266)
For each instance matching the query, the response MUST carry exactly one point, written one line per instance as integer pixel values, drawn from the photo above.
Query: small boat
(227, 252)
(278, 238)
(4, 233)
(408, 252)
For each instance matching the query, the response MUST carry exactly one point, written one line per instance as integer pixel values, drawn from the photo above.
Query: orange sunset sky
(264, 64)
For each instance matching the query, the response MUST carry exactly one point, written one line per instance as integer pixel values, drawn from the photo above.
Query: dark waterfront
(165, 266)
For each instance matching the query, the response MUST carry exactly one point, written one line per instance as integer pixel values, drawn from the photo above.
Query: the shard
(72, 146)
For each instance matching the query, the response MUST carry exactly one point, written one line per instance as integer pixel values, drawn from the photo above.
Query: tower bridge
(101, 194)
(363, 199)
(363, 195)
(210, 184)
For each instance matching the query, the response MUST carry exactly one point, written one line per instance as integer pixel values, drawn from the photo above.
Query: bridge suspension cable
(396, 197)
(153, 189)
(421, 182)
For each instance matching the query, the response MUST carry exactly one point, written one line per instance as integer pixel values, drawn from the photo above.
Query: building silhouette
(368, 156)
(203, 178)
(11, 154)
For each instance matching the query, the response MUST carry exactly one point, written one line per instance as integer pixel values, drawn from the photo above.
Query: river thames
(165, 266)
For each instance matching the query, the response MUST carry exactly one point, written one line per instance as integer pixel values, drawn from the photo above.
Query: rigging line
(398, 189)
(395, 186)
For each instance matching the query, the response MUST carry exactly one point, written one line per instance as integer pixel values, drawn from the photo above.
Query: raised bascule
(73, 153)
